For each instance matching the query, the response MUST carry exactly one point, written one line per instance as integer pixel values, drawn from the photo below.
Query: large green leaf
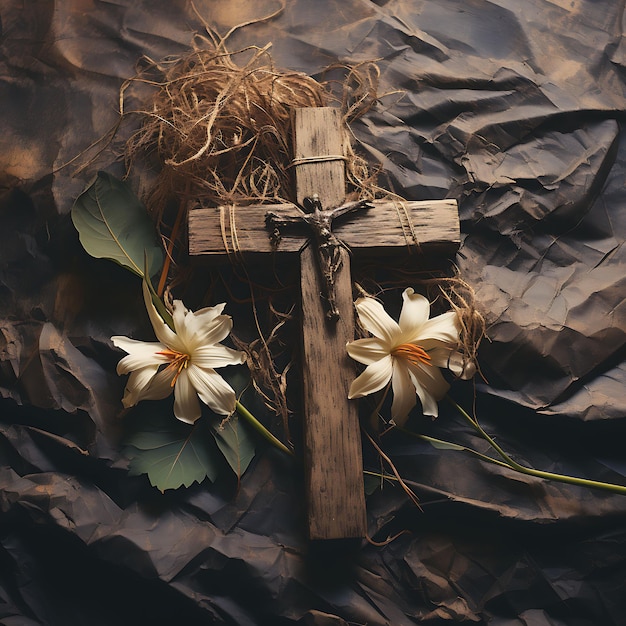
(235, 438)
(113, 224)
(172, 453)
(235, 442)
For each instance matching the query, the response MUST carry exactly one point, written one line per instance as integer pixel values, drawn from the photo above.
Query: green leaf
(113, 224)
(235, 438)
(172, 453)
(235, 443)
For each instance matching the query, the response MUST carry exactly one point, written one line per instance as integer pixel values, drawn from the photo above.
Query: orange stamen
(412, 353)
(177, 361)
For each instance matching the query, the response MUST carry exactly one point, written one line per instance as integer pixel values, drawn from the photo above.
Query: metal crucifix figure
(319, 220)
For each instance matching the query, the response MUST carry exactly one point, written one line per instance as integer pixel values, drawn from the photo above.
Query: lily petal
(440, 357)
(376, 320)
(217, 356)
(186, 405)
(429, 404)
(430, 386)
(443, 327)
(160, 387)
(140, 354)
(213, 390)
(205, 315)
(216, 330)
(179, 315)
(414, 314)
(404, 398)
(374, 378)
(138, 381)
(367, 350)
(201, 323)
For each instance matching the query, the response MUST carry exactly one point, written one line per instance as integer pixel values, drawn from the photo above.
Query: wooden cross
(332, 439)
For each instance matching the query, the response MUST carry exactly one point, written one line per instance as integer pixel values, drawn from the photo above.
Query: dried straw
(220, 121)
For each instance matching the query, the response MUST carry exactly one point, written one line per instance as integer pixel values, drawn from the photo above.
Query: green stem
(266, 434)
(453, 446)
(514, 465)
(159, 305)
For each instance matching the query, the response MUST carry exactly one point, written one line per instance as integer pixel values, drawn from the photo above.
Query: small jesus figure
(320, 220)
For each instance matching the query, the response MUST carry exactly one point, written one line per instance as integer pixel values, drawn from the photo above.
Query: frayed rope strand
(511, 464)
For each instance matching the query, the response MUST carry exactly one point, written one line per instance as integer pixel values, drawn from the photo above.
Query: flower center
(177, 362)
(412, 353)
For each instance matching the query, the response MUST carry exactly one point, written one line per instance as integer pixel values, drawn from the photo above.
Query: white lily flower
(181, 361)
(408, 353)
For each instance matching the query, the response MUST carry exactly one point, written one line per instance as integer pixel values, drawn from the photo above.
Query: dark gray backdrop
(515, 109)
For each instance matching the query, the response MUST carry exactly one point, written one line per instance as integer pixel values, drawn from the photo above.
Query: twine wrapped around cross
(332, 442)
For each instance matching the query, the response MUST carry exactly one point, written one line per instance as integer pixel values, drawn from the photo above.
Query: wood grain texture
(429, 224)
(318, 133)
(332, 437)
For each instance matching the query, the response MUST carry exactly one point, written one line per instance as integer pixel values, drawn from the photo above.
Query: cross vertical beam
(332, 438)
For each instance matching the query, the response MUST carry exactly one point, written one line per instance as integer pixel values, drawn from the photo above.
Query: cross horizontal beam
(433, 225)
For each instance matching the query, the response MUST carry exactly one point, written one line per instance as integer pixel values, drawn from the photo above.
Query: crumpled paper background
(513, 108)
